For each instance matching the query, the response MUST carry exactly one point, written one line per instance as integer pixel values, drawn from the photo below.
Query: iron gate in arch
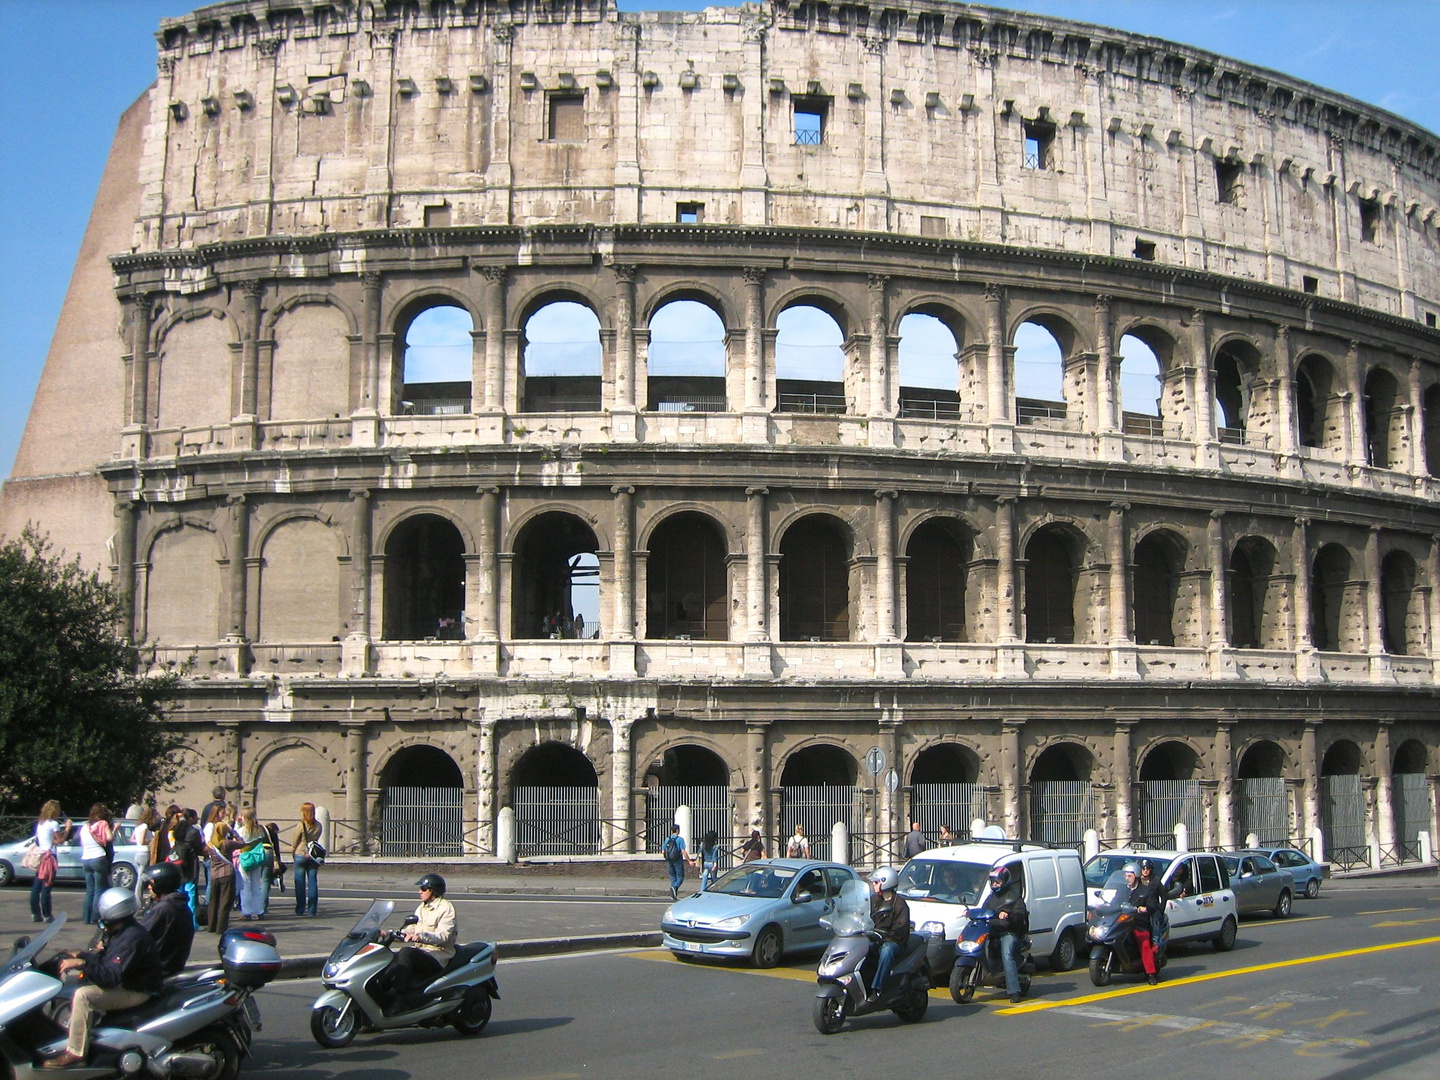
(1167, 803)
(1412, 814)
(955, 805)
(557, 821)
(1342, 815)
(710, 808)
(817, 807)
(418, 822)
(1262, 808)
(1061, 811)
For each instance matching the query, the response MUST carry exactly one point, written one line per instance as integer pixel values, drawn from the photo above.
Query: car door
(804, 914)
(1182, 909)
(1214, 898)
(67, 858)
(1042, 899)
(1247, 886)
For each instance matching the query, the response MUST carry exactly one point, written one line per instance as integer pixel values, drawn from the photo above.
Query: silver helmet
(116, 904)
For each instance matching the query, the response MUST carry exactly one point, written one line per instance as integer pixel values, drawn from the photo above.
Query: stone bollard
(1427, 852)
(1252, 840)
(840, 843)
(1182, 837)
(505, 834)
(977, 827)
(682, 818)
(1092, 844)
(322, 817)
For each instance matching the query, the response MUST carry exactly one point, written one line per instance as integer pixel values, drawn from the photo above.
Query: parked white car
(130, 858)
(1203, 906)
(940, 884)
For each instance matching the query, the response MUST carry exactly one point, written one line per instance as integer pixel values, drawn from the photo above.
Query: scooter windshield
(852, 909)
(26, 953)
(372, 920)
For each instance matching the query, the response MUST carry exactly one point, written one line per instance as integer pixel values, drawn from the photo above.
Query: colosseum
(803, 412)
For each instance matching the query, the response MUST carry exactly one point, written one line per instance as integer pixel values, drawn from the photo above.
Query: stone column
(251, 293)
(1416, 415)
(1225, 782)
(1204, 403)
(1121, 632)
(1107, 369)
(1219, 568)
(1374, 625)
(757, 756)
(239, 544)
(885, 565)
(355, 650)
(1356, 450)
(141, 315)
(621, 780)
(1006, 605)
(487, 618)
(997, 381)
(1285, 392)
(126, 519)
(1123, 774)
(893, 821)
(754, 339)
(624, 609)
(1310, 778)
(1011, 781)
(1434, 577)
(755, 565)
(1300, 556)
(486, 783)
(370, 329)
(355, 784)
(1384, 786)
(879, 375)
(493, 393)
(624, 337)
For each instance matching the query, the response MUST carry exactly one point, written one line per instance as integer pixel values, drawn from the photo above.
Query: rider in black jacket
(1011, 922)
(168, 918)
(1146, 898)
(891, 917)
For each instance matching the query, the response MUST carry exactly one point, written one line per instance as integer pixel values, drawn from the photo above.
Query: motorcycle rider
(431, 942)
(1145, 898)
(121, 974)
(1011, 922)
(167, 917)
(1159, 917)
(891, 916)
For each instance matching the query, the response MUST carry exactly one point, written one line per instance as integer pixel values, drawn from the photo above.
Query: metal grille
(710, 808)
(1263, 809)
(1342, 809)
(557, 821)
(956, 805)
(811, 403)
(817, 808)
(1061, 811)
(1167, 803)
(1412, 807)
(422, 822)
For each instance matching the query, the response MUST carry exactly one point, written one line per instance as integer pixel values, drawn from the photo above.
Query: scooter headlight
(330, 970)
(832, 963)
(969, 946)
(1096, 933)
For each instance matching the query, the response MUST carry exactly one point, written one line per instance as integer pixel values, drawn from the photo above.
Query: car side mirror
(804, 897)
(21, 942)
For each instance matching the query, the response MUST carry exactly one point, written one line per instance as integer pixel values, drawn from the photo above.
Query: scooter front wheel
(963, 981)
(1102, 965)
(829, 1013)
(334, 1028)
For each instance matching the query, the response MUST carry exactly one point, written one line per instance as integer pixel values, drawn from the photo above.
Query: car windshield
(947, 881)
(1102, 869)
(755, 879)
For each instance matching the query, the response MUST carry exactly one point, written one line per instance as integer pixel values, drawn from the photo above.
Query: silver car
(759, 910)
(1307, 872)
(130, 858)
(1259, 884)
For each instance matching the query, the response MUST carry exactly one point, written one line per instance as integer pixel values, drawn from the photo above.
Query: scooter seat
(465, 953)
(913, 944)
(169, 998)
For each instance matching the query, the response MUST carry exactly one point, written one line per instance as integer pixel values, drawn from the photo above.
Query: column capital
(752, 492)
(1384, 723)
(359, 494)
(1282, 332)
(877, 282)
(1217, 515)
(1126, 726)
(495, 275)
(371, 279)
(487, 489)
(1102, 303)
(622, 489)
(754, 275)
(1226, 723)
(1352, 347)
(1302, 522)
(887, 493)
(1312, 726)
(624, 273)
(235, 500)
(1012, 724)
(1119, 507)
(252, 288)
(994, 293)
(1006, 500)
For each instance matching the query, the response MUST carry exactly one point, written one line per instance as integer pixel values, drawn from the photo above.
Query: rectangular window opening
(1145, 250)
(1039, 144)
(690, 213)
(1229, 181)
(934, 226)
(1310, 284)
(437, 217)
(810, 114)
(1370, 221)
(567, 118)
(1430, 319)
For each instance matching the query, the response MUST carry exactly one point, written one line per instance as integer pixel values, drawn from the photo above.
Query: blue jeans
(39, 899)
(307, 890)
(888, 951)
(677, 872)
(97, 880)
(1010, 959)
(708, 873)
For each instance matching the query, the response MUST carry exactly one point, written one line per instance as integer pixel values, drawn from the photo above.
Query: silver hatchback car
(130, 858)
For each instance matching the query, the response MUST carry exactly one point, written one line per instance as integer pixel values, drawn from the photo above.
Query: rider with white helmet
(891, 916)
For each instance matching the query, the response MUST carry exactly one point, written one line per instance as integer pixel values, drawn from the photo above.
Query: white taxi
(1202, 904)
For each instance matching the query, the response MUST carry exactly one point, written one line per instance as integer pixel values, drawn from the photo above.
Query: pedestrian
(49, 831)
(799, 845)
(185, 849)
(277, 867)
(709, 860)
(674, 851)
(752, 849)
(222, 876)
(96, 849)
(947, 837)
(144, 832)
(914, 841)
(207, 816)
(308, 854)
(253, 854)
(579, 626)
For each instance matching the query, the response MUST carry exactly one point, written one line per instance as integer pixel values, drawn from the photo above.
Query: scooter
(849, 965)
(459, 996)
(198, 1026)
(977, 958)
(1113, 947)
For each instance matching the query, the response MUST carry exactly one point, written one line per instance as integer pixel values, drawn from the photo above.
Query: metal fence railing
(1165, 804)
(1061, 811)
(557, 821)
(811, 403)
(420, 822)
(1262, 808)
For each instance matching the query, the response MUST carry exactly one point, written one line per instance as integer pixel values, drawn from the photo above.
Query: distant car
(1202, 903)
(130, 858)
(1307, 872)
(759, 910)
(1260, 885)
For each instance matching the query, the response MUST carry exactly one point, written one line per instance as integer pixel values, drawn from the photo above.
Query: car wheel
(1225, 940)
(768, 947)
(122, 876)
(829, 1013)
(1282, 906)
(1063, 958)
(963, 981)
(7, 874)
(1312, 888)
(1102, 962)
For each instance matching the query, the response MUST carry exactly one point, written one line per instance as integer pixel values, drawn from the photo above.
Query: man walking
(914, 841)
(674, 851)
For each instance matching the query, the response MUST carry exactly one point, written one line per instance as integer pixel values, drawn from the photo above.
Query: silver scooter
(459, 996)
(851, 959)
(197, 1026)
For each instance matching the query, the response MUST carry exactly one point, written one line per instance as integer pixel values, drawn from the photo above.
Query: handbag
(252, 857)
(32, 858)
(315, 852)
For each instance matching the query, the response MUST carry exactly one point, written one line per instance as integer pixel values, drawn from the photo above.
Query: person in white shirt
(49, 831)
(95, 850)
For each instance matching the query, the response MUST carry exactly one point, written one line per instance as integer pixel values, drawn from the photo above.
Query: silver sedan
(1260, 886)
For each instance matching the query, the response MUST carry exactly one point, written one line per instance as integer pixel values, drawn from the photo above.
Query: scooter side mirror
(411, 920)
(21, 942)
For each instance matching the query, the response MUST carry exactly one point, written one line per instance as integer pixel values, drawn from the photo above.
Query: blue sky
(68, 68)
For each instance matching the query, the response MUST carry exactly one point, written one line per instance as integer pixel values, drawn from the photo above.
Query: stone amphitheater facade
(1058, 606)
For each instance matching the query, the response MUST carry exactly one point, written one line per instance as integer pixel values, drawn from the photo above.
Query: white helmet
(116, 904)
(886, 878)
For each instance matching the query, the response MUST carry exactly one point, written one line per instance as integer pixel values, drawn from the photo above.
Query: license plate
(692, 946)
(252, 1013)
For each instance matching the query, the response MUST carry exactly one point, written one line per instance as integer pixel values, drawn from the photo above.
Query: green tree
(78, 722)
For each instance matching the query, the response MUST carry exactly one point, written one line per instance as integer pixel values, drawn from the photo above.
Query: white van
(940, 884)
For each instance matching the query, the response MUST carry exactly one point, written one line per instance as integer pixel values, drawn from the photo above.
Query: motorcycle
(849, 965)
(977, 958)
(459, 996)
(197, 1026)
(1113, 947)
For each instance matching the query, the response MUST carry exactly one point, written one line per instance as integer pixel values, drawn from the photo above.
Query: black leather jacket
(173, 928)
(126, 958)
(891, 917)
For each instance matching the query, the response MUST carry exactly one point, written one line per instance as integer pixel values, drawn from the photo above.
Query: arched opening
(1040, 352)
(556, 795)
(1412, 798)
(809, 361)
(685, 363)
(1062, 801)
(929, 355)
(1236, 367)
(1170, 761)
(1262, 806)
(692, 776)
(1342, 806)
(1248, 593)
(1384, 420)
(817, 789)
(1401, 614)
(815, 581)
(687, 581)
(1052, 571)
(1432, 430)
(1159, 560)
(1314, 387)
(422, 811)
(945, 790)
(1140, 387)
(1170, 794)
(937, 558)
(561, 359)
(424, 581)
(436, 362)
(1342, 758)
(556, 591)
(1329, 586)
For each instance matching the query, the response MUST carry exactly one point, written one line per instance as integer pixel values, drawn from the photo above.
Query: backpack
(671, 848)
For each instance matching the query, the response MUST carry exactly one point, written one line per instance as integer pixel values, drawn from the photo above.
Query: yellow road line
(1402, 922)
(1388, 911)
(1287, 922)
(1038, 1006)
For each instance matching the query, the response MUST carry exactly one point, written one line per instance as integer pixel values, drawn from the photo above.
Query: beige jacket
(435, 932)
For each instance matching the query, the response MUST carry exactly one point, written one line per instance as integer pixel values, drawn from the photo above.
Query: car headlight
(669, 915)
(933, 927)
(732, 923)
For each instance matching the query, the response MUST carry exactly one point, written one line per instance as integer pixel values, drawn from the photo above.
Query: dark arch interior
(689, 766)
(1411, 757)
(1262, 759)
(819, 765)
(1327, 596)
(554, 555)
(1170, 761)
(424, 581)
(554, 765)
(687, 581)
(935, 582)
(1397, 583)
(1067, 761)
(1250, 566)
(1381, 392)
(1158, 562)
(421, 766)
(1051, 575)
(946, 764)
(1341, 759)
(814, 582)
(1312, 400)
(1432, 430)
(1234, 375)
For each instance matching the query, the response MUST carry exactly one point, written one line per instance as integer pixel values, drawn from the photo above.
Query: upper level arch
(820, 297)
(695, 290)
(289, 303)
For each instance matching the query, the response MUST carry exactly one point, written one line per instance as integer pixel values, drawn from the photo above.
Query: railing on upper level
(812, 403)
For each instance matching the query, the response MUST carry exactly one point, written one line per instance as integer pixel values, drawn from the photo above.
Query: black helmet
(434, 882)
(999, 879)
(163, 877)
(1146, 866)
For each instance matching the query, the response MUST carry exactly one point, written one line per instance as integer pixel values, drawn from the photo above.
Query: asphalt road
(1349, 987)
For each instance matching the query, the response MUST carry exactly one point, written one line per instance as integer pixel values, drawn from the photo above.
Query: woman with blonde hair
(222, 877)
(252, 857)
(308, 853)
(48, 832)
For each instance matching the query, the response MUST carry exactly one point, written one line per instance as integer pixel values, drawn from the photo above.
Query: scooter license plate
(252, 1013)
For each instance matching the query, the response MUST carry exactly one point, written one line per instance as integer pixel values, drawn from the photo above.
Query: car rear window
(1209, 874)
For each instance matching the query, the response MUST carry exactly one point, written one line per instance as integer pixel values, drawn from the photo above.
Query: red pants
(1147, 951)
